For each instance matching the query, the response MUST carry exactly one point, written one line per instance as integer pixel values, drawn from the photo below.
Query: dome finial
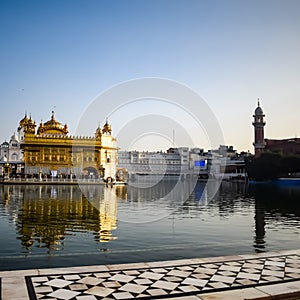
(258, 102)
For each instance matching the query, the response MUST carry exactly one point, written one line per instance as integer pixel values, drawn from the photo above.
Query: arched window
(14, 157)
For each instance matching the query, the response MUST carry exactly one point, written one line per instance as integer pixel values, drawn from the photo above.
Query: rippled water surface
(46, 226)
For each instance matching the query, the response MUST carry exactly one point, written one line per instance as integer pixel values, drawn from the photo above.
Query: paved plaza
(273, 275)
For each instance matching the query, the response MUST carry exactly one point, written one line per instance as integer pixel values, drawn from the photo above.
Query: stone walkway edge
(255, 276)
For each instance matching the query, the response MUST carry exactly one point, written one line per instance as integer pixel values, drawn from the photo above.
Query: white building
(174, 161)
(224, 162)
(10, 152)
(15, 153)
(145, 162)
(4, 149)
(229, 163)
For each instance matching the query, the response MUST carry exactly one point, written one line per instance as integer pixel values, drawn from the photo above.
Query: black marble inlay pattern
(160, 282)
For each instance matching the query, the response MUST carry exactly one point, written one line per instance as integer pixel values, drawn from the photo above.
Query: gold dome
(53, 127)
(41, 128)
(30, 121)
(98, 132)
(24, 121)
(107, 128)
(28, 124)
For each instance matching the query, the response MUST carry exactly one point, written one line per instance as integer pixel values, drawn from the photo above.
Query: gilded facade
(50, 151)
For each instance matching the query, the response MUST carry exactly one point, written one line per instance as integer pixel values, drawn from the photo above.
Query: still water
(51, 226)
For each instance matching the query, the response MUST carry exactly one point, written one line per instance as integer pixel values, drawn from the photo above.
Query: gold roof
(53, 127)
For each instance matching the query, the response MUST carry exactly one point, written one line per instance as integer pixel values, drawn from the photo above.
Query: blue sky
(65, 53)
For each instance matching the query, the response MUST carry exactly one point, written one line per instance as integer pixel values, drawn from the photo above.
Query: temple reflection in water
(45, 215)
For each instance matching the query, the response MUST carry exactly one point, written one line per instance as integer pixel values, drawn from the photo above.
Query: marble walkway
(256, 276)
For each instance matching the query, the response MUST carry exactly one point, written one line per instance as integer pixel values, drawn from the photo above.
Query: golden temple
(49, 151)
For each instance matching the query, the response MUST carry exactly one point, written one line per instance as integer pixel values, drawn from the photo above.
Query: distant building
(223, 162)
(290, 146)
(285, 146)
(4, 150)
(11, 152)
(175, 161)
(231, 163)
(156, 163)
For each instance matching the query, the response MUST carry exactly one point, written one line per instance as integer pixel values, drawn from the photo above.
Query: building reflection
(276, 207)
(45, 215)
(260, 232)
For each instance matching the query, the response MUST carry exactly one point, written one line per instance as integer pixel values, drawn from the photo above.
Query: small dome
(30, 121)
(98, 132)
(106, 128)
(53, 127)
(41, 128)
(27, 124)
(14, 137)
(258, 111)
(24, 121)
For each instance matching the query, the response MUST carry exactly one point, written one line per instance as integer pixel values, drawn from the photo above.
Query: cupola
(24, 121)
(29, 125)
(52, 127)
(98, 132)
(258, 111)
(106, 128)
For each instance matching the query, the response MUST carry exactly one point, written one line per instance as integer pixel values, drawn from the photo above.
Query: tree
(268, 166)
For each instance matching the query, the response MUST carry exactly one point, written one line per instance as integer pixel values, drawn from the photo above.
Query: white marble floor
(255, 275)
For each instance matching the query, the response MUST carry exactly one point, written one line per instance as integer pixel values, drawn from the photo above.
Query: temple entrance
(90, 172)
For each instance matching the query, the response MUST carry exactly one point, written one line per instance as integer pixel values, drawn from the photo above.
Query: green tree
(268, 166)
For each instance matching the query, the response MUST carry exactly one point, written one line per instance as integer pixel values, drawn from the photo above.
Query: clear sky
(65, 53)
